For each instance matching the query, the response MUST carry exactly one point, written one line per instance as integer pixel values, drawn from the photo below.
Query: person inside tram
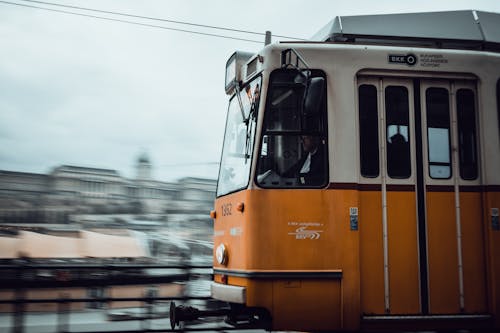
(310, 168)
(398, 156)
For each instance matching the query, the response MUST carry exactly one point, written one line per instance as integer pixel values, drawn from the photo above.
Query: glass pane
(467, 134)
(438, 133)
(368, 131)
(238, 140)
(293, 150)
(397, 134)
(439, 171)
(285, 102)
(292, 161)
(439, 150)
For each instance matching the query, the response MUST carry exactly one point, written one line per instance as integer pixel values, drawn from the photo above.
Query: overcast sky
(90, 92)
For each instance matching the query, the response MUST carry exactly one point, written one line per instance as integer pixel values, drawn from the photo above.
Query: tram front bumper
(227, 293)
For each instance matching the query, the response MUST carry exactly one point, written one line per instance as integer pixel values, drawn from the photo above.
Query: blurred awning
(35, 245)
(96, 245)
(8, 247)
(87, 245)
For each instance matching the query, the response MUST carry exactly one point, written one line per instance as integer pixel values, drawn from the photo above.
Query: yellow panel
(230, 228)
(266, 237)
(403, 253)
(371, 253)
(237, 281)
(293, 300)
(442, 253)
(473, 253)
(260, 293)
(328, 242)
(312, 227)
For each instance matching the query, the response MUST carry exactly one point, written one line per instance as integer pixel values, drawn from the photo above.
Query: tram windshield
(293, 150)
(239, 139)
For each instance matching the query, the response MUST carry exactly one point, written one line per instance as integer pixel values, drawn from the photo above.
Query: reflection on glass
(438, 133)
(440, 145)
(297, 160)
(439, 153)
(293, 150)
(284, 111)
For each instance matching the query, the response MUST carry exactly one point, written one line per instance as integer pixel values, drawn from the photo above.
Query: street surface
(96, 320)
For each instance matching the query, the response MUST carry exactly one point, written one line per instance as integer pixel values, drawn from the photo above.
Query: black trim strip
(411, 187)
(427, 317)
(440, 188)
(400, 188)
(471, 188)
(337, 275)
(492, 188)
(370, 187)
(346, 186)
(421, 223)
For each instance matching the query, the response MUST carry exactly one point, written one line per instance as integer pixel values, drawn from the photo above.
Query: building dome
(143, 158)
(143, 167)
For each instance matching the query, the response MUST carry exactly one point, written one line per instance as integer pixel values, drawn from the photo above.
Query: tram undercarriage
(236, 315)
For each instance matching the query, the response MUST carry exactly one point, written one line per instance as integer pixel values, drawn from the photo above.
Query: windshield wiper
(246, 121)
(240, 102)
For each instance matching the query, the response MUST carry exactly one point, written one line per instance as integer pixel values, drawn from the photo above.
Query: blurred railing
(19, 280)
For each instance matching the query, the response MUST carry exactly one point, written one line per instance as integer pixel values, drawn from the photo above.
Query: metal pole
(62, 314)
(18, 326)
(268, 38)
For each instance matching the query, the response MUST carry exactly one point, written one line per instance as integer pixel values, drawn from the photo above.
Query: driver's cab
(293, 144)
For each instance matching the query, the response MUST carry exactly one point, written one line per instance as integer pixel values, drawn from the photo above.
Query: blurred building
(77, 215)
(75, 190)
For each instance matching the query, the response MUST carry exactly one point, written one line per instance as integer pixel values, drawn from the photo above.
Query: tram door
(421, 232)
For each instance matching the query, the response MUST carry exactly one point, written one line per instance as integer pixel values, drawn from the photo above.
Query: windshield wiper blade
(240, 102)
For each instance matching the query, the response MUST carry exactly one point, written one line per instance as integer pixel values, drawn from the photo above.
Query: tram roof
(467, 29)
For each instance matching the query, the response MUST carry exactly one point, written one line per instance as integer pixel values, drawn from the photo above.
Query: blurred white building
(67, 189)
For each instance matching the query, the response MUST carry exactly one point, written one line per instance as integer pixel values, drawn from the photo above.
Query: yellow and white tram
(359, 185)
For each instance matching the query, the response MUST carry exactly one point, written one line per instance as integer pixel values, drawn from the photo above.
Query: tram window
(234, 171)
(368, 131)
(397, 134)
(438, 133)
(293, 151)
(467, 134)
(283, 111)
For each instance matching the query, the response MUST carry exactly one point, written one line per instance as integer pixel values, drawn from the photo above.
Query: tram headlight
(221, 254)
(234, 69)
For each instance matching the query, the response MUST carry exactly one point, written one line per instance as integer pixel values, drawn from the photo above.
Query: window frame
(363, 151)
(242, 90)
(450, 143)
(408, 125)
(473, 118)
(264, 132)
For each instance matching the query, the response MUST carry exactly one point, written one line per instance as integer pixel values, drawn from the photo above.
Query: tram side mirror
(302, 77)
(313, 103)
(314, 96)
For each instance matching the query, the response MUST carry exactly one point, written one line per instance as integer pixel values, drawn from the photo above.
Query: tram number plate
(226, 209)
